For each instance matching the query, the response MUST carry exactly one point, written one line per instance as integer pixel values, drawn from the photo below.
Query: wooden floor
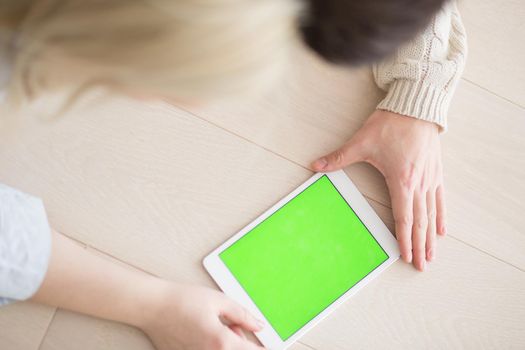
(157, 187)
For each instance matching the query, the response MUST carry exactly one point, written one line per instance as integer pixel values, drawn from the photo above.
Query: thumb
(239, 316)
(348, 154)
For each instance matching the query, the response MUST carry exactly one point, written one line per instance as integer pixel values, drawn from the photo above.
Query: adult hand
(407, 152)
(175, 316)
(191, 317)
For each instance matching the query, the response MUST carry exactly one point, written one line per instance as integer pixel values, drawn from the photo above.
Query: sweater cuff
(418, 100)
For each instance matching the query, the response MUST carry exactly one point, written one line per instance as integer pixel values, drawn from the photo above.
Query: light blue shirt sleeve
(25, 244)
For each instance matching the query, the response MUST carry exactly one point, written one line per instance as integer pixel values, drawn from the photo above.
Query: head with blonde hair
(182, 49)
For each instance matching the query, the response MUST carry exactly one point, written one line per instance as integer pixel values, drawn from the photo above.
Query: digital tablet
(303, 257)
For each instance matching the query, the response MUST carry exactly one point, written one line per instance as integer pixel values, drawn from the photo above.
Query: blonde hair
(189, 49)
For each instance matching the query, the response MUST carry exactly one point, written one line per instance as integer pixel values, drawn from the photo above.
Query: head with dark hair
(361, 31)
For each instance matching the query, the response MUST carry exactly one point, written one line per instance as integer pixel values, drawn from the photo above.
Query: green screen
(303, 257)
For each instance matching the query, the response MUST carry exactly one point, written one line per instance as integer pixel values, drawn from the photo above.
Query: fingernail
(320, 164)
(430, 254)
(444, 230)
(422, 265)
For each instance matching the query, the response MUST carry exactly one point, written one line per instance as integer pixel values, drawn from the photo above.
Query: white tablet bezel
(229, 285)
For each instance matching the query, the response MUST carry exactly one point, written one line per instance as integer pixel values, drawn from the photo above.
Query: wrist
(397, 118)
(144, 300)
(153, 299)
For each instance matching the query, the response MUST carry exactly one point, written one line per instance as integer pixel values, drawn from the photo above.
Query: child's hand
(407, 152)
(197, 318)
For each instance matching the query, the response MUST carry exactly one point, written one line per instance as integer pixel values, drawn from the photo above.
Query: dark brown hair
(362, 31)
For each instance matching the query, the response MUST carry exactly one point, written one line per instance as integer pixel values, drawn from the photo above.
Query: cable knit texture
(25, 244)
(421, 77)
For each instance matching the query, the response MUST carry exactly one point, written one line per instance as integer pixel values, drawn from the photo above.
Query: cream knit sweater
(421, 77)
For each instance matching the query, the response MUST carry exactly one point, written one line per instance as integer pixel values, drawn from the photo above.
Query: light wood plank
(149, 185)
(74, 331)
(319, 107)
(159, 189)
(495, 32)
(133, 188)
(70, 330)
(467, 300)
(156, 206)
(301, 346)
(77, 332)
(401, 301)
(23, 325)
(172, 198)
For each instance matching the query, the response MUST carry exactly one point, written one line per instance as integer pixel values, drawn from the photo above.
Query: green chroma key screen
(303, 257)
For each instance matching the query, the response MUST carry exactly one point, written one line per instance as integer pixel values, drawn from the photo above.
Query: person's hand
(407, 152)
(197, 318)
(174, 316)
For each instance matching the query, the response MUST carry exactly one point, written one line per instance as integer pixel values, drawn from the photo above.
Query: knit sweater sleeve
(421, 77)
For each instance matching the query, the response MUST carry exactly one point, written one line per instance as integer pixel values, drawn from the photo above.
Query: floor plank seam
(366, 196)
(451, 236)
(486, 253)
(376, 201)
(266, 149)
(493, 93)
(461, 241)
(241, 137)
(306, 345)
(47, 329)
(87, 246)
(303, 167)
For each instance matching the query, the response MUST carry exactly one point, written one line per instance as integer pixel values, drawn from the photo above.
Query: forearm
(81, 281)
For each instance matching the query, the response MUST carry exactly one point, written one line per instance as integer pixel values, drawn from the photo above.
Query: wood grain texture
(300, 346)
(210, 170)
(466, 300)
(157, 188)
(171, 187)
(441, 309)
(161, 195)
(484, 138)
(74, 331)
(23, 325)
(71, 330)
(496, 59)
